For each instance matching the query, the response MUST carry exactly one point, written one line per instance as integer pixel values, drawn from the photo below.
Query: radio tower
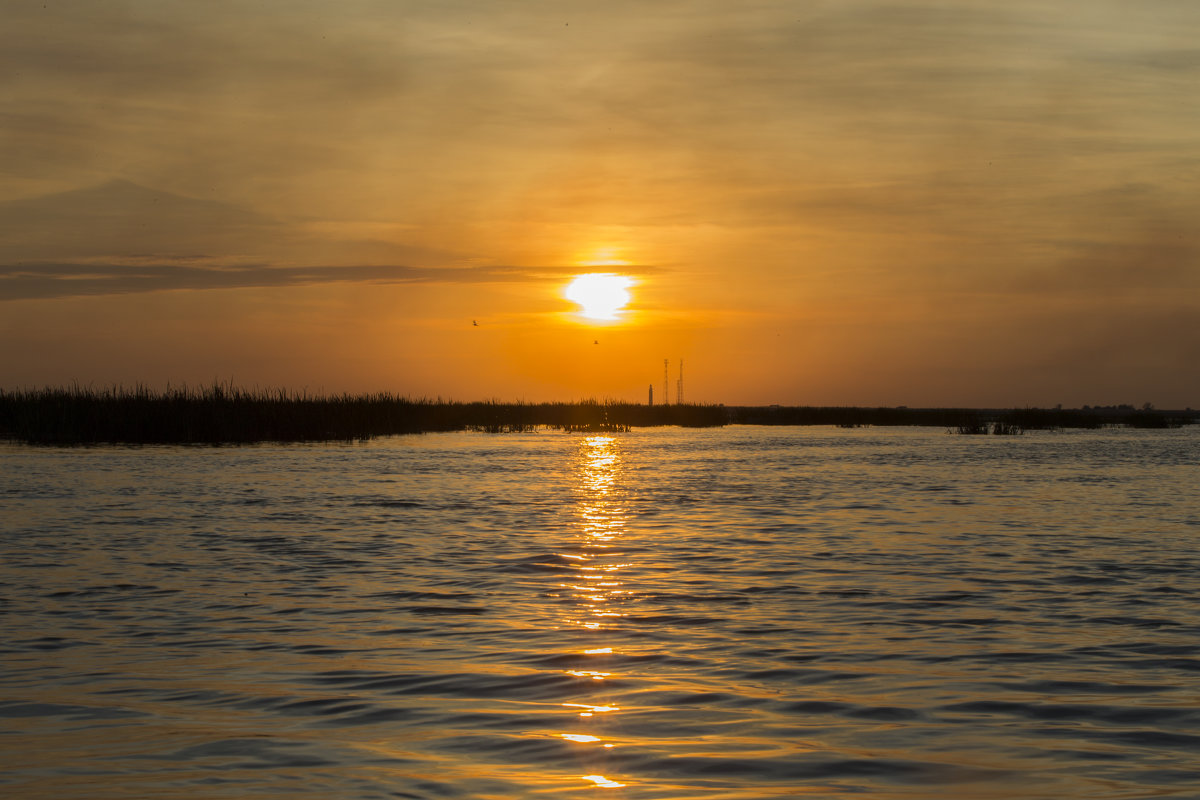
(666, 385)
(679, 385)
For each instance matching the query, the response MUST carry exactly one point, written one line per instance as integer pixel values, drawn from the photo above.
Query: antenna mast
(666, 384)
(679, 385)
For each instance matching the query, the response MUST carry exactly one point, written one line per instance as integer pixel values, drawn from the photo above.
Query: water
(734, 613)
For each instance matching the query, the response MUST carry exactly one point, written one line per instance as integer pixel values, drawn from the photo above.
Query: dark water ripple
(743, 613)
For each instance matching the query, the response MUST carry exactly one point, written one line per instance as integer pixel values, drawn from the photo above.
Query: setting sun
(600, 295)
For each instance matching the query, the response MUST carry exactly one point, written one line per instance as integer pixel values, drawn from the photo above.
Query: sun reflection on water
(601, 515)
(591, 709)
(579, 737)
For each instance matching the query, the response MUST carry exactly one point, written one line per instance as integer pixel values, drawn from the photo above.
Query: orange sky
(852, 202)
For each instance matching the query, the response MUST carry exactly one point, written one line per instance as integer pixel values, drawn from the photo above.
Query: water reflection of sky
(873, 613)
(600, 516)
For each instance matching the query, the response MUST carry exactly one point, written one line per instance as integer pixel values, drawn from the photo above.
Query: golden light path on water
(601, 516)
(661, 615)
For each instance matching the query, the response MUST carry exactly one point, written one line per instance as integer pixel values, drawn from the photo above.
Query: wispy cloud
(30, 281)
(820, 160)
(41, 281)
(121, 238)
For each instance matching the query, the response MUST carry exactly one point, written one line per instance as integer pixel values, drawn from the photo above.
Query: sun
(600, 295)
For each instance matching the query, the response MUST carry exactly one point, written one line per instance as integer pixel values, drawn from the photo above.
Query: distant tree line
(963, 420)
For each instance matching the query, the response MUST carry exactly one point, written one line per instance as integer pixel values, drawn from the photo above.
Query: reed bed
(223, 413)
(226, 414)
(963, 420)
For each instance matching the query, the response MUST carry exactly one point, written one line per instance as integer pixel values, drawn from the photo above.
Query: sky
(835, 202)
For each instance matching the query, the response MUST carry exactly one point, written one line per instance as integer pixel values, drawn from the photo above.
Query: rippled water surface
(735, 613)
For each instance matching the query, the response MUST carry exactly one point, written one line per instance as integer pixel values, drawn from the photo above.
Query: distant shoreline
(228, 415)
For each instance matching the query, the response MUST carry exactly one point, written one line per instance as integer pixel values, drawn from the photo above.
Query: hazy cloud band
(39, 281)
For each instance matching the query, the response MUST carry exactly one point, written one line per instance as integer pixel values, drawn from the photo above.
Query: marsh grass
(223, 413)
(966, 421)
(859, 417)
(226, 414)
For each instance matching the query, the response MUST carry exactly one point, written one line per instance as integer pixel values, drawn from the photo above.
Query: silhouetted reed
(975, 425)
(223, 413)
(855, 416)
(961, 420)
(1150, 419)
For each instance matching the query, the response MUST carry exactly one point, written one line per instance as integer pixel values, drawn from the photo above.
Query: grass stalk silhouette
(223, 413)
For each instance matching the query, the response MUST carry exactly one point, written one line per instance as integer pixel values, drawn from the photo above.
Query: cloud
(120, 222)
(48, 280)
(122, 238)
(119, 217)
